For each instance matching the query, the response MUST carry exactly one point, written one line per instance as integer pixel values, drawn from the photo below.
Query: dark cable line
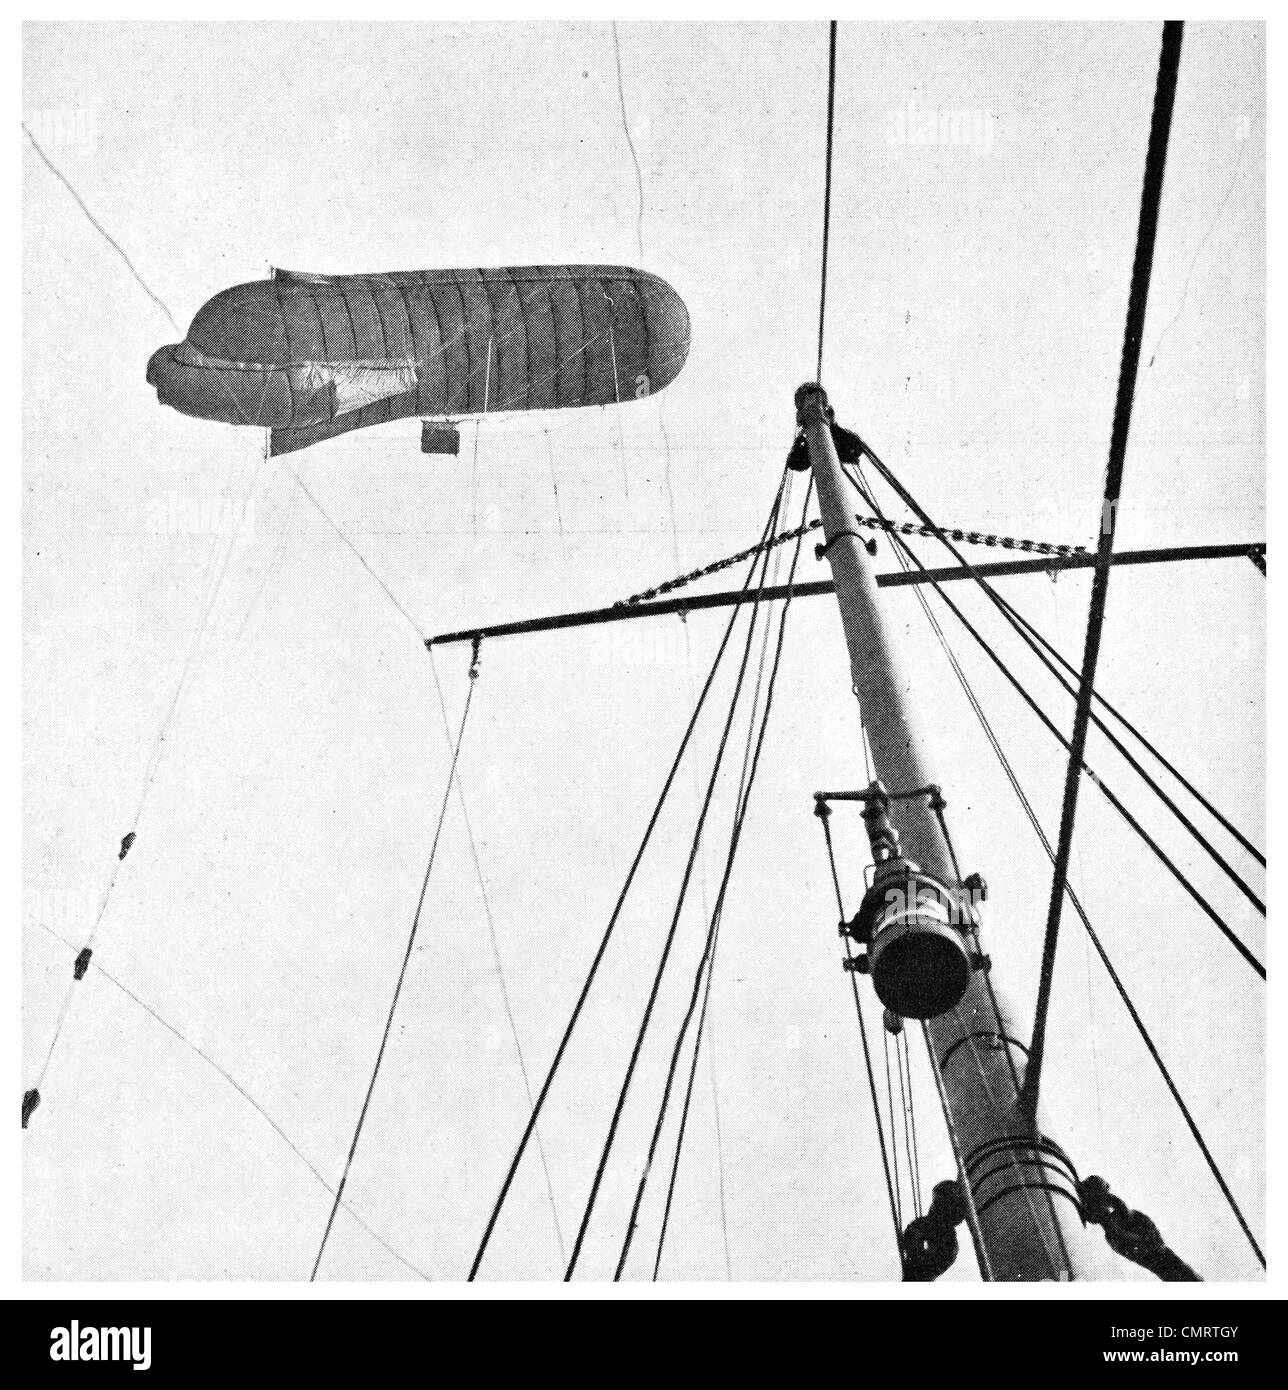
(402, 975)
(671, 933)
(617, 908)
(717, 918)
(100, 229)
(894, 1133)
(912, 1121)
(151, 767)
(1138, 297)
(496, 951)
(1131, 820)
(825, 817)
(1095, 940)
(706, 964)
(1113, 800)
(1228, 869)
(827, 189)
(1203, 801)
(1073, 898)
(147, 1008)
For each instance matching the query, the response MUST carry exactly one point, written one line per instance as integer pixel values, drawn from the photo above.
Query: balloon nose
(154, 364)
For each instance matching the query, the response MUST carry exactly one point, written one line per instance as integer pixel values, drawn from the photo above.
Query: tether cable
(402, 973)
(827, 188)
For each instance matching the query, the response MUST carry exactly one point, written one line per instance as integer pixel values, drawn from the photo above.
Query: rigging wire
(617, 907)
(1138, 296)
(827, 189)
(98, 966)
(664, 959)
(1114, 801)
(908, 1101)
(151, 769)
(824, 814)
(1032, 817)
(706, 1027)
(100, 229)
(1073, 898)
(1203, 801)
(402, 973)
(1228, 869)
(706, 963)
(496, 953)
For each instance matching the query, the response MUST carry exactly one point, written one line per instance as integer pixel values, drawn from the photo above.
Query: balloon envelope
(313, 356)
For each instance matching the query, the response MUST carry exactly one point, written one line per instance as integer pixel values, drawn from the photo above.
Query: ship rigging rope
(219, 567)
(1105, 790)
(496, 958)
(718, 918)
(402, 973)
(1228, 869)
(706, 963)
(871, 523)
(827, 187)
(215, 1066)
(1137, 299)
(620, 903)
(824, 813)
(1113, 800)
(665, 955)
(1078, 908)
(1027, 807)
(1031, 639)
(1203, 801)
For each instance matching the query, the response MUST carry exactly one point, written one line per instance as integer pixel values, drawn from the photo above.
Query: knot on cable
(1131, 1234)
(474, 658)
(30, 1100)
(929, 1245)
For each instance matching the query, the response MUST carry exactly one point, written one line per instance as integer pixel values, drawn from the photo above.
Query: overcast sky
(976, 300)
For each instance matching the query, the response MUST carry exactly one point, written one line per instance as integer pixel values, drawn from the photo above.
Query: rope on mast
(823, 811)
(706, 963)
(1230, 872)
(1033, 820)
(665, 956)
(1113, 800)
(521, 1148)
(1137, 299)
(1203, 801)
(872, 523)
(827, 188)
(402, 973)
(717, 919)
(32, 1097)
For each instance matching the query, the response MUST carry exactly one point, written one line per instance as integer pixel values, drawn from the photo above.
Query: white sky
(976, 299)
